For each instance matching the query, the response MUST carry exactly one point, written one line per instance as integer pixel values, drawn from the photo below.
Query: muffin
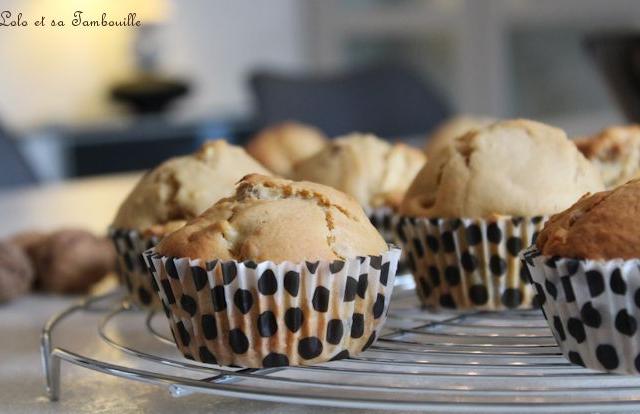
(281, 273)
(585, 269)
(165, 198)
(67, 261)
(446, 133)
(368, 168)
(373, 171)
(281, 146)
(478, 202)
(615, 151)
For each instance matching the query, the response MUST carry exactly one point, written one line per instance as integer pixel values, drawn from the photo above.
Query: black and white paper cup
(270, 314)
(592, 308)
(469, 263)
(132, 269)
(381, 218)
(384, 220)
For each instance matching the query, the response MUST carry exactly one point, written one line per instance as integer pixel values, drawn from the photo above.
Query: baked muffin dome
(513, 167)
(373, 171)
(615, 152)
(604, 225)
(183, 187)
(281, 146)
(278, 220)
(446, 133)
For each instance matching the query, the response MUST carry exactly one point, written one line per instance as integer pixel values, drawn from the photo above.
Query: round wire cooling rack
(445, 362)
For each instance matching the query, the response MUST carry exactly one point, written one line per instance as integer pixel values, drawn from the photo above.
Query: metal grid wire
(447, 362)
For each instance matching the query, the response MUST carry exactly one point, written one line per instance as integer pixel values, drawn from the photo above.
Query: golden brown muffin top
(278, 220)
(512, 167)
(452, 128)
(280, 147)
(183, 187)
(615, 151)
(603, 225)
(373, 171)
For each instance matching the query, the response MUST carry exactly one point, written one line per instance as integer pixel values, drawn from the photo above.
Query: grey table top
(83, 391)
(89, 203)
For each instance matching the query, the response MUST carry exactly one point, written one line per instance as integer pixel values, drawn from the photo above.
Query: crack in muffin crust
(287, 192)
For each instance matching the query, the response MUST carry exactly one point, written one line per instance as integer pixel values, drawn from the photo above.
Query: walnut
(71, 261)
(16, 272)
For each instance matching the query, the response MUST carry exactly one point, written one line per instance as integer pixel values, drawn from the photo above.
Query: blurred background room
(93, 93)
(85, 101)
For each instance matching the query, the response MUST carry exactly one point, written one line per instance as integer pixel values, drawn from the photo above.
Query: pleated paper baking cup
(132, 269)
(382, 218)
(469, 263)
(266, 314)
(592, 308)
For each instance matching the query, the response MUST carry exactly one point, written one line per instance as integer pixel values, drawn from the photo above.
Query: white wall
(217, 43)
(56, 74)
(478, 73)
(62, 75)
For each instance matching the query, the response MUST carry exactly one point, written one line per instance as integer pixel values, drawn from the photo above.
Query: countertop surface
(87, 203)
(22, 385)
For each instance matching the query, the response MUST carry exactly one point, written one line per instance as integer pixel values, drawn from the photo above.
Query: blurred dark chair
(389, 101)
(14, 171)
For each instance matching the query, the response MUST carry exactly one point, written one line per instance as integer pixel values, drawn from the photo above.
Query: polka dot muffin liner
(265, 314)
(592, 308)
(383, 219)
(132, 269)
(469, 263)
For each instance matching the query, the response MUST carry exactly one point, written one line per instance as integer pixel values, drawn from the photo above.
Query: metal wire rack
(445, 362)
